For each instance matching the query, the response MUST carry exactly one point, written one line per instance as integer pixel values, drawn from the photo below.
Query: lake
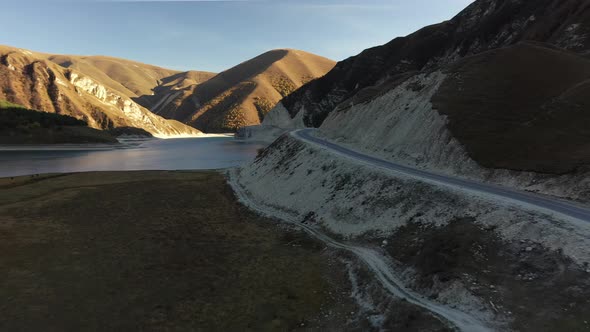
(143, 154)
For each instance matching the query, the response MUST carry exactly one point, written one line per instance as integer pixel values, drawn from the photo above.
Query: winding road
(532, 201)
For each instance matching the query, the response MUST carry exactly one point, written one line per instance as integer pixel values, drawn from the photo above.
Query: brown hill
(523, 107)
(145, 84)
(243, 94)
(85, 91)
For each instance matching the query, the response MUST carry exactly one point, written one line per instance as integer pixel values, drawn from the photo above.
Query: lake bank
(204, 152)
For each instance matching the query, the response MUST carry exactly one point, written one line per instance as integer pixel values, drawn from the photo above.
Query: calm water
(152, 154)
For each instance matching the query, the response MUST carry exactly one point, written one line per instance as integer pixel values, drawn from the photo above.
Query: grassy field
(154, 251)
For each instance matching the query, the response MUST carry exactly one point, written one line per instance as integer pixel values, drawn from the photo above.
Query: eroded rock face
(32, 81)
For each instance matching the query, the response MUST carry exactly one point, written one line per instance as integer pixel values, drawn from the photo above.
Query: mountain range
(109, 92)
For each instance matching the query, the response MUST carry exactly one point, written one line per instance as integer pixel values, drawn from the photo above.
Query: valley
(436, 182)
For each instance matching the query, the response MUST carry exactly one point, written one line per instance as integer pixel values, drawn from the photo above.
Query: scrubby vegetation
(14, 116)
(19, 125)
(263, 106)
(283, 85)
(306, 79)
(234, 119)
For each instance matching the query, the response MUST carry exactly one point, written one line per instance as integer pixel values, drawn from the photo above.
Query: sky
(213, 35)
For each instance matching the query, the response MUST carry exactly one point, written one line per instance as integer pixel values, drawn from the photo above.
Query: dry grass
(274, 74)
(523, 107)
(151, 251)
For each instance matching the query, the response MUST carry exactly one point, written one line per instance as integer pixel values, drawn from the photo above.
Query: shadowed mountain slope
(523, 107)
(484, 25)
(514, 91)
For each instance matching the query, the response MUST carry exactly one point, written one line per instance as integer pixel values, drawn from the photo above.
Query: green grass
(6, 104)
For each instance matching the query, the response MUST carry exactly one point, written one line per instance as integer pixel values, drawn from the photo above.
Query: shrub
(283, 85)
(234, 119)
(263, 106)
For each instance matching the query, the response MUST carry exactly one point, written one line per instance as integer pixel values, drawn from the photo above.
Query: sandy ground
(157, 251)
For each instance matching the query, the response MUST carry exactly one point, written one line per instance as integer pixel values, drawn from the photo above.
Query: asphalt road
(533, 201)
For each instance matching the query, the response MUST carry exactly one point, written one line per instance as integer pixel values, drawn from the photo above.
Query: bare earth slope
(30, 79)
(243, 94)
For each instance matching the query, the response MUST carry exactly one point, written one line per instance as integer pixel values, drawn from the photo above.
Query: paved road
(536, 202)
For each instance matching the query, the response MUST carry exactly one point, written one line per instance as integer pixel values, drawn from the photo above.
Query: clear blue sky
(213, 35)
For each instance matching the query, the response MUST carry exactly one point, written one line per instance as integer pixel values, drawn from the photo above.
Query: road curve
(374, 261)
(536, 202)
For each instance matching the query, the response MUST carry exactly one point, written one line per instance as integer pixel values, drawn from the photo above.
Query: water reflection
(153, 154)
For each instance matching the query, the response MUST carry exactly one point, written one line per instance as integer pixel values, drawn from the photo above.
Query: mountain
(243, 94)
(484, 25)
(97, 90)
(522, 107)
(512, 68)
(145, 84)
